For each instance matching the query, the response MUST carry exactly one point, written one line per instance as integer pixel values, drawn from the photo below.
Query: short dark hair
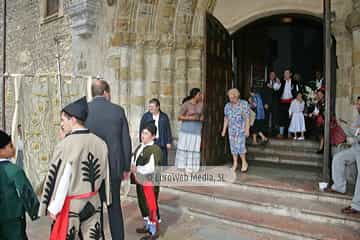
(99, 87)
(155, 101)
(68, 116)
(151, 128)
(358, 97)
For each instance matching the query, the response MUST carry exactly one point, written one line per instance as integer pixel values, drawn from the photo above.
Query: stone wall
(1, 54)
(31, 52)
(30, 44)
(345, 28)
(145, 49)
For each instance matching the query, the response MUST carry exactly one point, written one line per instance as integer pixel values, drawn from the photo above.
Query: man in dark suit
(163, 137)
(108, 121)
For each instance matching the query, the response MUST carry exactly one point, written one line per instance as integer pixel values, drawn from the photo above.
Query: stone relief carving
(110, 2)
(352, 21)
(83, 17)
(145, 17)
(184, 17)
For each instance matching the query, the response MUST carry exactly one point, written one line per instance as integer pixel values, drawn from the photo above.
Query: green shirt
(16, 193)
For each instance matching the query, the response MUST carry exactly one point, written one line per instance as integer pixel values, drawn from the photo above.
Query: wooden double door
(219, 79)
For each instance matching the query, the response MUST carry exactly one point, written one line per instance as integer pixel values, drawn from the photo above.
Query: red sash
(286, 100)
(60, 228)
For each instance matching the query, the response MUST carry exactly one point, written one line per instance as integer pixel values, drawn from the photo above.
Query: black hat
(151, 127)
(78, 109)
(5, 139)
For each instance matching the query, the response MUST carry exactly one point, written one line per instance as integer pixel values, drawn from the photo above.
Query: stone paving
(177, 225)
(180, 223)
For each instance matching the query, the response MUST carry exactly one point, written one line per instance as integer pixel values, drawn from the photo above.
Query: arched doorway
(245, 57)
(275, 43)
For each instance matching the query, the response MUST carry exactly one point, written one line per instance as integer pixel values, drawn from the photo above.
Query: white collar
(78, 129)
(148, 144)
(4, 159)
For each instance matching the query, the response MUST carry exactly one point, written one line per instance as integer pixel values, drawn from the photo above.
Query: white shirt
(275, 85)
(156, 119)
(287, 90)
(319, 83)
(147, 168)
(57, 204)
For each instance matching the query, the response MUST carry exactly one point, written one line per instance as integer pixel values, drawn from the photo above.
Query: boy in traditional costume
(16, 194)
(143, 162)
(78, 172)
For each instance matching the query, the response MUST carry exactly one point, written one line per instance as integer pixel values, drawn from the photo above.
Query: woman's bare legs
(235, 162)
(263, 138)
(321, 147)
(254, 138)
(244, 165)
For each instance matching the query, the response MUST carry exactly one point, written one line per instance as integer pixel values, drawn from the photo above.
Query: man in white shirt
(288, 92)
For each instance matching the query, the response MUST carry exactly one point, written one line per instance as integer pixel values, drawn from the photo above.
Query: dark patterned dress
(237, 115)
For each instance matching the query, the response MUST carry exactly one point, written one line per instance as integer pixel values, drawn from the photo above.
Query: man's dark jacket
(294, 88)
(108, 121)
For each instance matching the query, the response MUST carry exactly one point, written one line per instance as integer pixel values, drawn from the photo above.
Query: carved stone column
(195, 63)
(166, 76)
(353, 25)
(180, 81)
(137, 87)
(152, 68)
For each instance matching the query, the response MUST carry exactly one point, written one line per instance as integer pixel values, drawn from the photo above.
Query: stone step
(290, 144)
(280, 222)
(300, 189)
(288, 153)
(284, 157)
(281, 205)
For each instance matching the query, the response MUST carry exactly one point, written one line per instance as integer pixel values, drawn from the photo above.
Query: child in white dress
(296, 113)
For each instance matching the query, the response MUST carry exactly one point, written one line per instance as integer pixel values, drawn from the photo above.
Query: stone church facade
(144, 48)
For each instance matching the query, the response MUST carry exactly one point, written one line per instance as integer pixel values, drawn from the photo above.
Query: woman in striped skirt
(188, 147)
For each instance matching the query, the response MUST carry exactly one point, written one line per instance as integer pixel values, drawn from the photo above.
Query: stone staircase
(287, 207)
(287, 152)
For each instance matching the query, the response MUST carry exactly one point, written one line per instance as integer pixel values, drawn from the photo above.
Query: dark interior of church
(274, 44)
